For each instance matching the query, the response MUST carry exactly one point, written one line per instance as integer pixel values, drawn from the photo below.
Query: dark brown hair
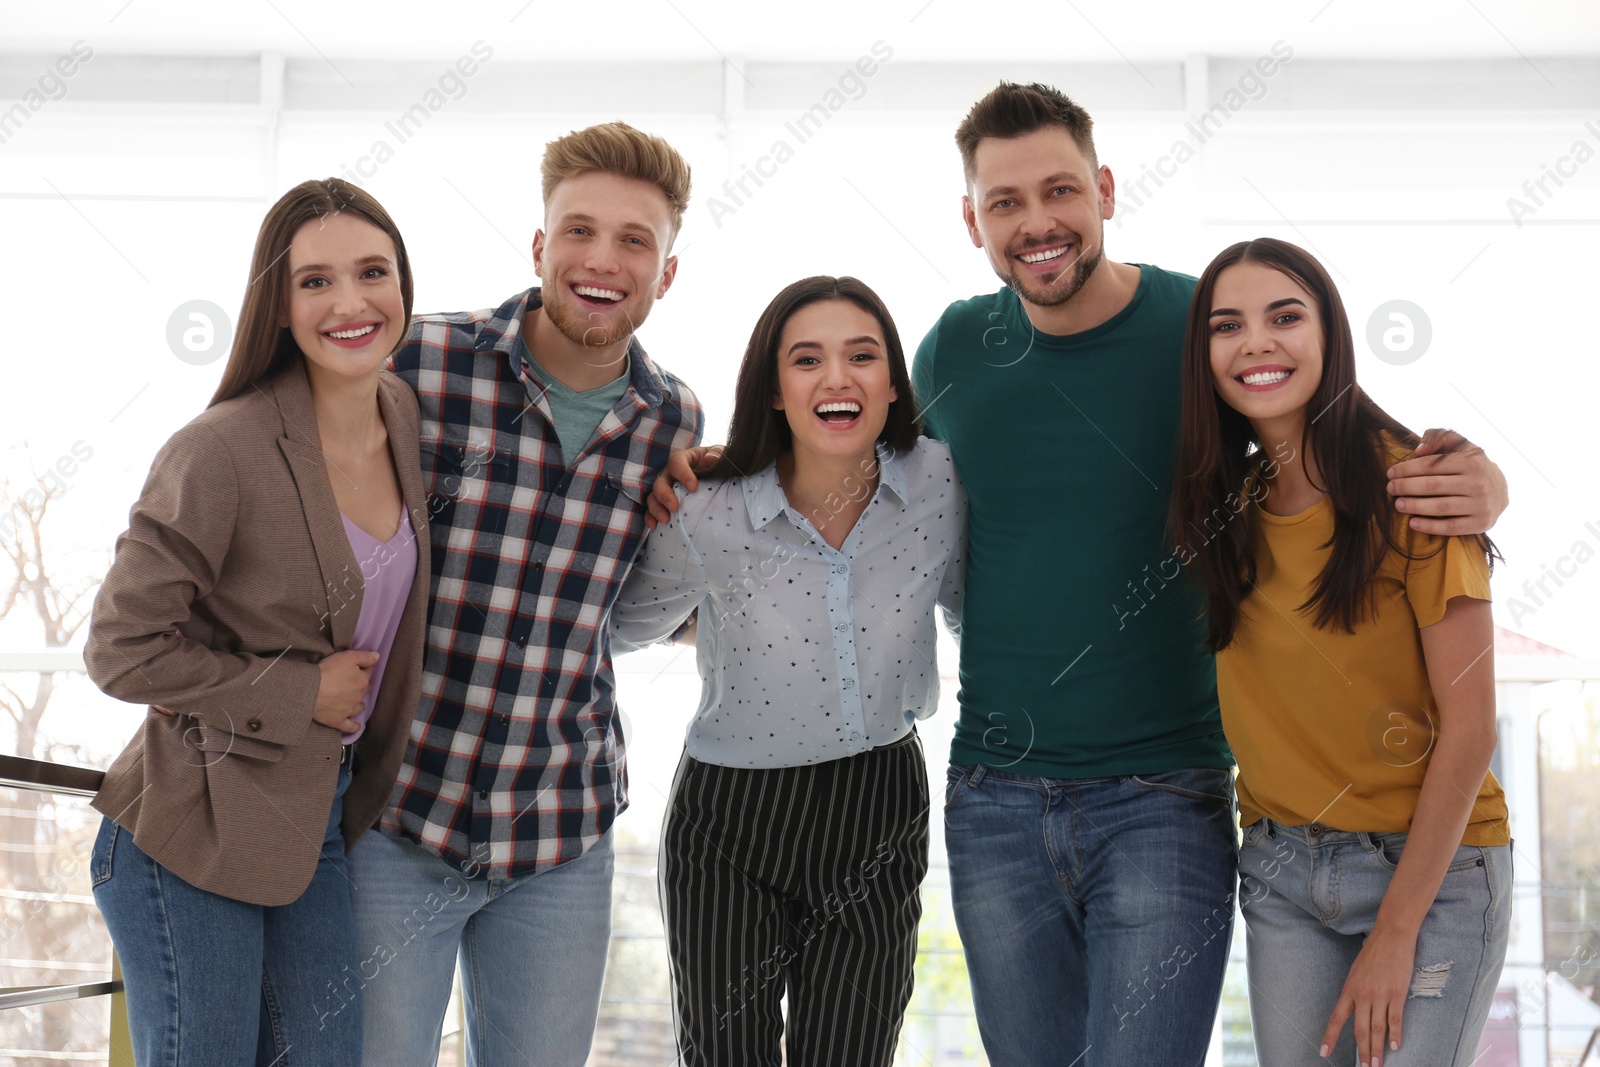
(1012, 110)
(263, 349)
(617, 148)
(759, 433)
(1221, 460)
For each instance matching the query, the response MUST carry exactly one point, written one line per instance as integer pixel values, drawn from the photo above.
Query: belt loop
(977, 775)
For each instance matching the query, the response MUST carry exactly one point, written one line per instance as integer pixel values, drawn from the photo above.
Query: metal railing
(40, 776)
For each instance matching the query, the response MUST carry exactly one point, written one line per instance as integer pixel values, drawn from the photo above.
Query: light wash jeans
(1310, 895)
(532, 953)
(1095, 913)
(213, 981)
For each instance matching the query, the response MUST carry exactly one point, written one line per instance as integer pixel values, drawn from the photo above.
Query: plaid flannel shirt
(515, 762)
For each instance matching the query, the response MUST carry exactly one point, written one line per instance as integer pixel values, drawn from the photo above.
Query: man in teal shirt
(1089, 804)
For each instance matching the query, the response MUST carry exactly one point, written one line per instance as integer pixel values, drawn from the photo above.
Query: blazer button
(254, 725)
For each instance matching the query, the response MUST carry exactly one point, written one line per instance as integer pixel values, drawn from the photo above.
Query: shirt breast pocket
(613, 525)
(469, 486)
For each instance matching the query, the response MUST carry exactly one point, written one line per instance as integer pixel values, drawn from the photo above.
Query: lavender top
(387, 568)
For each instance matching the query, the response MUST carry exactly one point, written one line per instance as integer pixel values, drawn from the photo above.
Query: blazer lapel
(404, 448)
(302, 448)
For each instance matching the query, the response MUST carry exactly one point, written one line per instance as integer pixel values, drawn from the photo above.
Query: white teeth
(1041, 257)
(597, 292)
(1266, 377)
(849, 407)
(350, 335)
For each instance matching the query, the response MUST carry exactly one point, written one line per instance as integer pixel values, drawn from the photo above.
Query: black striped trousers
(801, 881)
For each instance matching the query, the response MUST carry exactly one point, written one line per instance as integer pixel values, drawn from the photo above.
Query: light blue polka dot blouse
(807, 653)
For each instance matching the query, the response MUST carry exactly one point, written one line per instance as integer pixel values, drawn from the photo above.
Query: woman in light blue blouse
(797, 834)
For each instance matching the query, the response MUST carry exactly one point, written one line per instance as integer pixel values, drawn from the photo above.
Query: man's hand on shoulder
(1450, 487)
(680, 470)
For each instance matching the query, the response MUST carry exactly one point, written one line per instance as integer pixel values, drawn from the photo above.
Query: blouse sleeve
(665, 586)
(1443, 568)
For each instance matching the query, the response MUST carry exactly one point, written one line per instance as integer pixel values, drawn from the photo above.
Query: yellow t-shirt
(1332, 727)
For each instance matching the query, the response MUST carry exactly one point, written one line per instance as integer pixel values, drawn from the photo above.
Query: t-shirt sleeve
(1446, 567)
(926, 385)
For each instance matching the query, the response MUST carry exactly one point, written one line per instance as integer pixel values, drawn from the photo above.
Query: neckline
(401, 525)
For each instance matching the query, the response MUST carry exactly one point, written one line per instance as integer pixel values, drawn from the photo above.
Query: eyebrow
(362, 262)
(1274, 306)
(864, 339)
(574, 216)
(1054, 179)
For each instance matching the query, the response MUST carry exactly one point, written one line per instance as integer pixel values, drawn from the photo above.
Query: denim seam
(1488, 912)
(169, 964)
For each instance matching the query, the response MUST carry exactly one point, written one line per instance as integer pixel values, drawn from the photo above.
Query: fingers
(1336, 1021)
(1396, 1010)
(1445, 463)
(1438, 506)
(1437, 440)
(1455, 526)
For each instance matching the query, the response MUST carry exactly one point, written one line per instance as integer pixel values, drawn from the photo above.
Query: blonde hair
(617, 148)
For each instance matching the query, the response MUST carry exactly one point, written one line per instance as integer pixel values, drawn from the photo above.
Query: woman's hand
(680, 470)
(1375, 994)
(342, 689)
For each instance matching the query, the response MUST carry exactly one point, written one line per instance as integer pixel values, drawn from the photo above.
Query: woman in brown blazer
(268, 601)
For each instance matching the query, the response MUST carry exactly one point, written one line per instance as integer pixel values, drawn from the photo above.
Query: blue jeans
(532, 953)
(214, 981)
(1310, 896)
(1095, 913)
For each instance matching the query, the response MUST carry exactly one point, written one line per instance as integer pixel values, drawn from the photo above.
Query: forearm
(1444, 807)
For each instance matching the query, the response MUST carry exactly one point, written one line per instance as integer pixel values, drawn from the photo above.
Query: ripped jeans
(1310, 894)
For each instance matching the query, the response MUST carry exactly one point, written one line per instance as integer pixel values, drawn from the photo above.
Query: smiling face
(834, 386)
(344, 306)
(1266, 345)
(1038, 207)
(602, 261)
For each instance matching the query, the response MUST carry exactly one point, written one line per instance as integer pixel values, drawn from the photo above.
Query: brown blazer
(234, 578)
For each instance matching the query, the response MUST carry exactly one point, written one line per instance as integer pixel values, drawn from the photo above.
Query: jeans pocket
(1387, 849)
(105, 844)
(953, 779)
(1196, 784)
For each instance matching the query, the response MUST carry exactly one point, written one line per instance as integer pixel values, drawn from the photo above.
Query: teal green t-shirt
(577, 414)
(1082, 645)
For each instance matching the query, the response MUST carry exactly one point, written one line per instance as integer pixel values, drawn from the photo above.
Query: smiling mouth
(599, 294)
(1265, 377)
(351, 335)
(1044, 255)
(838, 411)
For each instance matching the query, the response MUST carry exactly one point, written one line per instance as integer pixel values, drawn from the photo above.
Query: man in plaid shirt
(543, 425)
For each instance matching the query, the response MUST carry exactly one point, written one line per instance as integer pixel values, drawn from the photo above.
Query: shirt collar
(764, 499)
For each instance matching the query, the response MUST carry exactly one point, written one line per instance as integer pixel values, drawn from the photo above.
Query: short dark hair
(262, 348)
(759, 433)
(1012, 110)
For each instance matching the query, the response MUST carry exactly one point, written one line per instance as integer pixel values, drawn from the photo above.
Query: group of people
(372, 594)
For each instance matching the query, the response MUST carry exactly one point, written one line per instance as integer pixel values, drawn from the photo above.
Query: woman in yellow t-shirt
(1356, 676)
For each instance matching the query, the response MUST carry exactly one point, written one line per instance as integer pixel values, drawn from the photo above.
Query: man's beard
(586, 331)
(1058, 293)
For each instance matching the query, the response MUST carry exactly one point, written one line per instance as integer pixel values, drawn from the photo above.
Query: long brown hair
(1221, 461)
(758, 433)
(263, 349)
